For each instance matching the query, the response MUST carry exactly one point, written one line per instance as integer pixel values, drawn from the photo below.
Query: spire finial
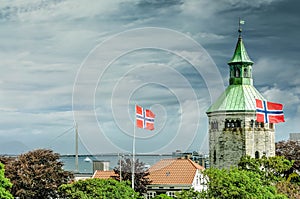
(241, 22)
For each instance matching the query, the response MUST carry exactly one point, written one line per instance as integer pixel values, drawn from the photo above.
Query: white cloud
(282, 96)
(266, 70)
(205, 9)
(35, 10)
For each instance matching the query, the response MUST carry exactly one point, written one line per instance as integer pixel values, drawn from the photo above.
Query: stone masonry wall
(231, 135)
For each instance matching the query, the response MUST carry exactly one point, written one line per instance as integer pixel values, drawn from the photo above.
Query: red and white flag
(269, 112)
(144, 118)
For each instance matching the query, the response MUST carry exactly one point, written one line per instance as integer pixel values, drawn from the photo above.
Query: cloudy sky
(90, 61)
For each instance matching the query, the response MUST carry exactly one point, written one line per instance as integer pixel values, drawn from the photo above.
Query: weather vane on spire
(241, 22)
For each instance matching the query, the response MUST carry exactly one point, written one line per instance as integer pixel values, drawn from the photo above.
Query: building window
(151, 194)
(171, 193)
(256, 124)
(237, 72)
(214, 125)
(256, 154)
(251, 123)
(233, 123)
(215, 156)
(231, 71)
(245, 72)
(271, 125)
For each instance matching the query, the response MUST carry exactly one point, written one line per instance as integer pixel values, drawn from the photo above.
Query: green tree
(271, 169)
(36, 174)
(190, 194)
(291, 151)
(141, 173)
(162, 196)
(98, 189)
(5, 185)
(235, 183)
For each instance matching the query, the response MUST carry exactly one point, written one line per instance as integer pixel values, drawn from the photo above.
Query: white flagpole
(253, 132)
(133, 151)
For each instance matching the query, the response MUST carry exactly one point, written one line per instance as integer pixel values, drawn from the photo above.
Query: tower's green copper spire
(240, 64)
(240, 95)
(240, 54)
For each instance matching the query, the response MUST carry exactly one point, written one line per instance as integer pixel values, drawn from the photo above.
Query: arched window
(252, 123)
(245, 72)
(238, 123)
(215, 156)
(231, 71)
(237, 72)
(227, 124)
(256, 154)
(232, 124)
(214, 125)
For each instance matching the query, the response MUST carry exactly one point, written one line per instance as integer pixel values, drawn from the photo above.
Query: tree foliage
(291, 190)
(291, 151)
(236, 183)
(162, 196)
(5, 185)
(37, 174)
(140, 175)
(190, 194)
(98, 188)
(271, 169)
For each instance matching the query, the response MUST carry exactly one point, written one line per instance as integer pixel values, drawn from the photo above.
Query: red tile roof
(104, 174)
(174, 171)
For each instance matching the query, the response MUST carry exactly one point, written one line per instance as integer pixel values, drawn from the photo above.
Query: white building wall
(199, 183)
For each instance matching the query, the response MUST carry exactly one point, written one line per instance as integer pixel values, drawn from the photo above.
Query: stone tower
(233, 131)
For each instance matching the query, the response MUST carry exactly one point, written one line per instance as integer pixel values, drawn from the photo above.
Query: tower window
(245, 72)
(232, 123)
(252, 123)
(237, 72)
(238, 123)
(256, 154)
(231, 71)
(215, 156)
(214, 125)
(256, 124)
(227, 124)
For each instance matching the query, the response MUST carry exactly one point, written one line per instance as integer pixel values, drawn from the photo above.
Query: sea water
(85, 162)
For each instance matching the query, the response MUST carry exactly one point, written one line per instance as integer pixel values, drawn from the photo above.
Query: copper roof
(240, 54)
(237, 98)
(104, 174)
(174, 171)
